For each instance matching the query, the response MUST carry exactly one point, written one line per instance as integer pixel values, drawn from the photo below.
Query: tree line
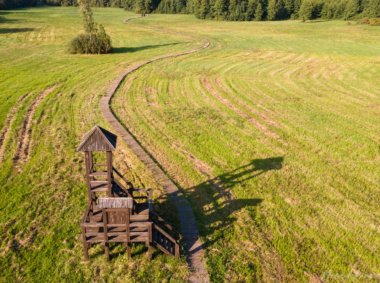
(233, 10)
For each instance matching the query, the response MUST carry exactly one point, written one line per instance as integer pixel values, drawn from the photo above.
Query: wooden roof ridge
(98, 139)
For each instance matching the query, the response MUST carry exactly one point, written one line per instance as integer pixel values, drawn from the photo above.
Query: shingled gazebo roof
(98, 139)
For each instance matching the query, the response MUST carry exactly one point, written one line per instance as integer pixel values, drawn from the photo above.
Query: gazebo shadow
(215, 201)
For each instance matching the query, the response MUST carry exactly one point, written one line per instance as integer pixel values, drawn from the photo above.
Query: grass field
(272, 132)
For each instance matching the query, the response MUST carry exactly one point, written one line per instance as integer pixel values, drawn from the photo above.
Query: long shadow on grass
(140, 48)
(216, 201)
(14, 30)
(6, 20)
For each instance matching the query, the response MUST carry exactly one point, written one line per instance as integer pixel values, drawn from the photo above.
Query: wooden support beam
(150, 240)
(85, 246)
(105, 231)
(90, 161)
(87, 164)
(109, 173)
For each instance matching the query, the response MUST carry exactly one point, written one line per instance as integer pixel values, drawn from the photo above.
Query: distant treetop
(233, 10)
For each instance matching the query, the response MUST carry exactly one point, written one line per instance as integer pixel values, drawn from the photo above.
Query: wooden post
(109, 173)
(176, 250)
(128, 231)
(85, 247)
(105, 231)
(87, 161)
(150, 240)
(150, 202)
(91, 161)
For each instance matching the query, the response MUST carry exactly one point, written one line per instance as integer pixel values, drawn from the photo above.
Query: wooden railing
(164, 241)
(127, 184)
(86, 215)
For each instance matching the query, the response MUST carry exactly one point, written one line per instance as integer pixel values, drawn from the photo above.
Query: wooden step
(163, 249)
(95, 234)
(93, 224)
(113, 234)
(139, 238)
(100, 189)
(95, 239)
(136, 217)
(98, 182)
(99, 186)
(98, 173)
(139, 229)
(142, 208)
(144, 224)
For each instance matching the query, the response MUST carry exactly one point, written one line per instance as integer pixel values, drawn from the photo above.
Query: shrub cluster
(95, 40)
(370, 21)
(91, 43)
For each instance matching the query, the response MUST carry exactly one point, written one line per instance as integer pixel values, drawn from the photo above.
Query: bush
(95, 40)
(91, 43)
(369, 21)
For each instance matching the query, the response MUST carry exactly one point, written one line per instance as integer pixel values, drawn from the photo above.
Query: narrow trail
(4, 134)
(188, 224)
(23, 148)
(126, 20)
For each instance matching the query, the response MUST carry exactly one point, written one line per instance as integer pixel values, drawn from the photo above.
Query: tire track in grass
(126, 20)
(262, 115)
(186, 216)
(261, 127)
(23, 147)
(4, 134)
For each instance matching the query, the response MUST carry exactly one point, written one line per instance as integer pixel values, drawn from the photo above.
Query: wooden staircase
(164, 236)
(145, 225)
(164, 242)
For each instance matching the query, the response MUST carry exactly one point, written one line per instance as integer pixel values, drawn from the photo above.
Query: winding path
(188, 224)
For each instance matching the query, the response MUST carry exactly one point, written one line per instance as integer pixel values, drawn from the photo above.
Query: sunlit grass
(41, 207)
(273, 132)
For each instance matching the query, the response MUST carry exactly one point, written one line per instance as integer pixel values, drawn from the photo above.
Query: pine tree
(204, 9)
(232, 10)
(259, 12)
(296, 8)
(272, 10)
(251, 10)
(190, 7)
(142, 6)
(281, 12)
(220, 9)
(352, 8)
(306, 10)
(148, 6)
(289, 7)
(106, 46)
(88, 21)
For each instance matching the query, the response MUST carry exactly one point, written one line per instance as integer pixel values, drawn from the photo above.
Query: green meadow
(272, 132)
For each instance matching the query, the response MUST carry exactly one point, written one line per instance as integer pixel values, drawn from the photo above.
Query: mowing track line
(8, 123)
(23, 148)
(186, 216)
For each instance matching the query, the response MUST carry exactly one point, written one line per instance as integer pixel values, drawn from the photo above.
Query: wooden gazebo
(99, 177)
(117, 212)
